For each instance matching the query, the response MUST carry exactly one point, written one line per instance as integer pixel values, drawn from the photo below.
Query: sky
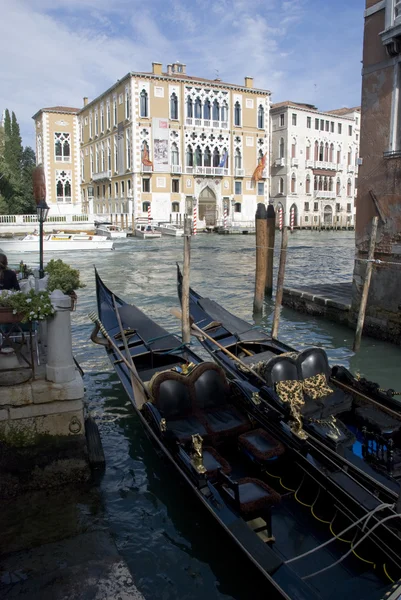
(54, 52)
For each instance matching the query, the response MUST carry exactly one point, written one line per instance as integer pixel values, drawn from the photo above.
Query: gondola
(303, 522)
(351, 419)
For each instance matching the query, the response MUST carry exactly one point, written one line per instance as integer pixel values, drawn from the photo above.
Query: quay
(329, 300)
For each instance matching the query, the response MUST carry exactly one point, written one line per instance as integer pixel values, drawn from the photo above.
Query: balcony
(350, 168)
(146, 168)
(101, 175)
(176, 169)
(340, 167)
(211, 171)
(309, 164)
(239, 172)
(324, 164)
(294, 162)
(279, 162)
(324, 194)
(208, 123)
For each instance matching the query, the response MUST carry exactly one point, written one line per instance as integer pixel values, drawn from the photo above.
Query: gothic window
(198, 108)
(96, 122)
(175, 159)
(128, 148)
(108, 116)
(216, 157)
(115, 110)
(326, 152)
(108, 155)
(293, 183)
(198, 157)
(97, 158)
(339, 155)
(308, 151)
(261, 117)
(190, 157)
(173, 106)
(238, 159)
(224, 112)
(237, 114)
(144, 104)
(349, 156)
(338, 187)
(102, 157)
(190, 108)
(281, 185)
(316, 150)
(281, 148)
(320, 183)
(331, 152)
(315, 183)
(206, 110)
(216, 111)
(307, 184)
(321, 152)
(294, 148)
(62, 149)
(349, 187)
(325, 184)
(102, 118)
(330, 184)
(207, 157)
(63, 186)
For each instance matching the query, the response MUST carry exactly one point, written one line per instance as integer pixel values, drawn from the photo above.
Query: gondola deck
(275, 503)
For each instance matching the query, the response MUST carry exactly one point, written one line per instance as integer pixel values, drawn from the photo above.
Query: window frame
(237, 185)
(144, 191)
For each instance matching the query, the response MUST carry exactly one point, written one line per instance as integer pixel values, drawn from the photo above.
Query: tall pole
(261, 257)
(280, 282)
(186, 327)
(271, 234)
(366, 285)
(41, 270)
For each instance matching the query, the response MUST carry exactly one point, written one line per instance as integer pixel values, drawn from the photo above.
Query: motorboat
(109, 230)
(170, 229)
(146, 232)
(57, 242)
(312, 529)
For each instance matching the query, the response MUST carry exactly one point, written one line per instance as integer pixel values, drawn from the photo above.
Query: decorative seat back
(210, 385)
(311, 362)
(281, 368)
(172, 395)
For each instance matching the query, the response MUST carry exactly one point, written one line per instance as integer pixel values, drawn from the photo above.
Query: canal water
(173, 548)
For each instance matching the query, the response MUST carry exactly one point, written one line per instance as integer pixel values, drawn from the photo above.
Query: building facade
(379, 190)
(58, 150)
(154, 138)
(314, 164)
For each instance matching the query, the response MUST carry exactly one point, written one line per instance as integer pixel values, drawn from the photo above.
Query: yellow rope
(300, 501)
(273, 476)
(336, 536)
(286, 488)
(387, 575)
(316, 517)
(370, 562)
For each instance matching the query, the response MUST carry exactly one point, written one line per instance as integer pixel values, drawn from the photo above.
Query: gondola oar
(196, 331)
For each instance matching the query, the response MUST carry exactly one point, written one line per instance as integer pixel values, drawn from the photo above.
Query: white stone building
(314, 164)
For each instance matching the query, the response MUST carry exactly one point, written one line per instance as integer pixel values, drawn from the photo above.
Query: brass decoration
(186, 369)
(163, 425)
(197, 453)
(256, 398)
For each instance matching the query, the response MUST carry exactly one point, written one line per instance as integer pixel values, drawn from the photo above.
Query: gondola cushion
(316, 386)
(212, 461)
(336, 403)
(172, 395)
(211, 386)
(184, 429)
(254, 495)
(378, 420)
(260, 444)
(226, 420)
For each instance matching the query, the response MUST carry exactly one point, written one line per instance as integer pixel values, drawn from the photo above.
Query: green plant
(33, 306)
(62, 277)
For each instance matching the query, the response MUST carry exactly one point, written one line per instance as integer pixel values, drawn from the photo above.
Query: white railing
(206, 171)
(324, 164)
(32, 219)
(63, 158)
(309, 164)
(101, 175)
(176, 169)
(146, 168)
(191, 122)
(294, 161)
(350, 168)
(340, 167)
(279, 162)
(239, 172)
(324, 194)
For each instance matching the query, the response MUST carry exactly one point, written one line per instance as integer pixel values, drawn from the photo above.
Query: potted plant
(18, 307)
(63, 277)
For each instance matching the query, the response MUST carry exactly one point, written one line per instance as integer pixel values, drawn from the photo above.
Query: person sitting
(8, 277)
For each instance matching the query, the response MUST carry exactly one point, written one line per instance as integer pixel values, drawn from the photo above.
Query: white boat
(57, 242)
(146, 232)
(170, 229)
(110, 231)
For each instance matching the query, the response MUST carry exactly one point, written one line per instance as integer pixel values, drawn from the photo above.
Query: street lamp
(42, 210)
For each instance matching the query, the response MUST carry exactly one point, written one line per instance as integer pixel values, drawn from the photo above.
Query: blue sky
(54, 52)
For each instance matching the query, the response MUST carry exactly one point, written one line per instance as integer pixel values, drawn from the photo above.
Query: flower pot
(7, 315)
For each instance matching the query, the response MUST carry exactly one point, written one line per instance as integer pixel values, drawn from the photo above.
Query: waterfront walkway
(330, 300)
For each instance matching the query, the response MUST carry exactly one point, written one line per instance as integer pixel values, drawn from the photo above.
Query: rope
(387, 575)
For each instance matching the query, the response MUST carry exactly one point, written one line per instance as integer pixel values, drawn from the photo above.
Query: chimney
(169, 69)
(85, 100)
(249, 82)
(156, 68)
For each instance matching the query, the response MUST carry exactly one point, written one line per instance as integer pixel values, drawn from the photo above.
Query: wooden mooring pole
(186, 326)
(261, 257)
(271, 232)
(366, 285)
(280, 282)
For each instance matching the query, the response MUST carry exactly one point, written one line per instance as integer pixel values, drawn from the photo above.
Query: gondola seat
(250, 495)
(377, 420)
(212, 401)
(314, 371)
(213, 462)
(259, 444)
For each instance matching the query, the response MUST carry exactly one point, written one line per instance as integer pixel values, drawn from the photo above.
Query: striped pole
(225, 216)
(280, 218)
(149, 215)
(292, 218)
(195, 216)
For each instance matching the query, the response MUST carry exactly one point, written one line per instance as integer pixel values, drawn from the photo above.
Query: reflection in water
(171, 544)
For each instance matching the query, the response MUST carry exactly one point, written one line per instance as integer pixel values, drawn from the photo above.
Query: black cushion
(184, 429)
(280, 368)
(211, 387)
(311, 362)
(226, 419)
(378, 419)
(212, 461)
(253, 495)
(257, 358)
(260, 444)
(336, 403)
(172, 395)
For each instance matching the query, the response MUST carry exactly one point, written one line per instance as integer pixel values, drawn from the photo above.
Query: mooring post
(271, 233)
(280, 282)
(366, 285)
(186, 328)
(261, 257)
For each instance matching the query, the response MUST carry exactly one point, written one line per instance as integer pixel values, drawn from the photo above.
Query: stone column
(60, 366)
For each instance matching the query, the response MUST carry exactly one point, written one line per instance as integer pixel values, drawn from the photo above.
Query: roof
(293, 104)
(344, 110)
(58, 109)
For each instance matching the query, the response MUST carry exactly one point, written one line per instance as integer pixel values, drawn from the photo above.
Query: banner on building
(120, 148)
(160, 132)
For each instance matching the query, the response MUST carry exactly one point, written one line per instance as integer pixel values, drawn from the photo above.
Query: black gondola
(276, 500)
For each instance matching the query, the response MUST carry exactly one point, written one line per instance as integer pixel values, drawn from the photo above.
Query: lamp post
(42, 210)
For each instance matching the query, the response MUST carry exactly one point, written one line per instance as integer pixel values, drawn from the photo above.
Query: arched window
(175, 158)
(198, 108)
(316, 150)
(281, 185)
(206, 110)
(331, 153)
(349, 188)
(349, 156)
(62, 148)
(144, 104)
(325, 184)
(198, 157)
(145, 206)
(216, 157)
(190, 157)
(321, 152)
(294, 148)
(308, 151)
(216, 111)
(338, 187)
(224, 157)
(224, 112)
(330, 184)
(261, 117)
(207, 157)
(190, 108)
(339, 155)
(238, 159)
(97, 159)
(237, 114)
(173, 106)
(320, 183)
(315, 183)
(326, 152)
(175, 207)
(96, 122)
(293, 183)
(260, 155)
(307, 184)
(102, 164)
(237, 207)
(281, 148)
(63, 186)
